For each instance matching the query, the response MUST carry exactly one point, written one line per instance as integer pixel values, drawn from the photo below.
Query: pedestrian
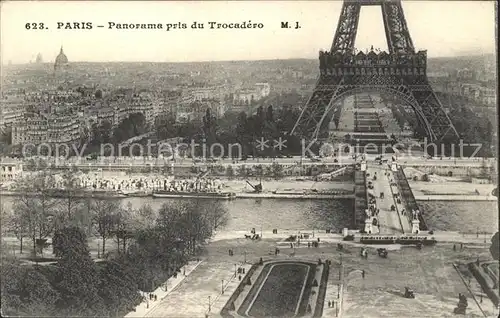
(454, 247)
(461, 246)
(156, 297)
(329, 303)
(363, 273)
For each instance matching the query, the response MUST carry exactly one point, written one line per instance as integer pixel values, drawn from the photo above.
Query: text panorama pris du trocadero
(212, 25)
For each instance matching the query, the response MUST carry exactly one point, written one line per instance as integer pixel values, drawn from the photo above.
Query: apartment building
(10, 169)
(11, 110)
(37, 128)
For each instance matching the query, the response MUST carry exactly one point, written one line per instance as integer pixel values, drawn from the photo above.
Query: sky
(443, 28)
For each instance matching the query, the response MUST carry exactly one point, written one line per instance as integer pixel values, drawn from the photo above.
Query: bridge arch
(401, 91)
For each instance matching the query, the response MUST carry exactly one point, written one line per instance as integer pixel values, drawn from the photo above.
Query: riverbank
(263, 195)
(288, 188)
(455, 197)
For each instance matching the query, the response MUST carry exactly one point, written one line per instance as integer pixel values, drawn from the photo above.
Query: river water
(335, 214)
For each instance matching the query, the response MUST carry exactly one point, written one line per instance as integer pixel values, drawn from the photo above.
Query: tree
(165, 127)
(118, 288)
(37, 208)
(122, 227)
(78, 276)
(98, 94)
(217, 214)
(259, 170)
(26, 291)
(242, 171)
(495, 246)
(38, 294)
(277, 170)
(270, 114)
(138, 122)
(230, 171)
(72, 202)
(67, 238)
(17, 224)
(144, 217)
(485, 170)
(104, 213)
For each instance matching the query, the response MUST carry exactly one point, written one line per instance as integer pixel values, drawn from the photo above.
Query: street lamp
(209, 305)
(234, 270)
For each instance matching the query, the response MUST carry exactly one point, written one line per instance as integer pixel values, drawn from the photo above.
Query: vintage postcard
(249, 159)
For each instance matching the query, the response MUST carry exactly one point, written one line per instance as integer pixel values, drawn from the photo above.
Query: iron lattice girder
(411, 86)
(419, 95)
(347, 28)
(317, 104)
(396, 30)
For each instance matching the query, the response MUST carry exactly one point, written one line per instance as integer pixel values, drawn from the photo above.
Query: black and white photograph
(195, 159)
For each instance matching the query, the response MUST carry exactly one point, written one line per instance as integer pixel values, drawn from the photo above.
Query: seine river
(336, 214)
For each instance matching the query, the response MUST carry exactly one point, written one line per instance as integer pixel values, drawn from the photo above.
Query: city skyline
(452, 28)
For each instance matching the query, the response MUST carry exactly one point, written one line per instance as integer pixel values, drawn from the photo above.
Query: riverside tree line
(53, 272)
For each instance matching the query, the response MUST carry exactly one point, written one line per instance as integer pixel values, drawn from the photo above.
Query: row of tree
(132, 126)
(237, 128)
(151, 245)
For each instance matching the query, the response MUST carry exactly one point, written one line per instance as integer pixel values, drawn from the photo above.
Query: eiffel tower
(401, 72)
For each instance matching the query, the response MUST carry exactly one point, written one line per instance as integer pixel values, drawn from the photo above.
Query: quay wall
(451, 170)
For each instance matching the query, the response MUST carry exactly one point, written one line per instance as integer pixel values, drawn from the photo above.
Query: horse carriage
(349, 237)
(409, 293)
(363, 253)
(382, 252)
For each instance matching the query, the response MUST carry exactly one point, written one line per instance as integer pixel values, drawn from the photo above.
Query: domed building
(61, 61)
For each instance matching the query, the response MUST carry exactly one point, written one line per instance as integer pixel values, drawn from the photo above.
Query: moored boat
(200, 195)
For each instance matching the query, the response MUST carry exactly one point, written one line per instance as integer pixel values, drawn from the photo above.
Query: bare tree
(143, 218)
(104, 215)
(216, 213)
(122, 226)
(36, 207)
(73, 201)
(14, 223)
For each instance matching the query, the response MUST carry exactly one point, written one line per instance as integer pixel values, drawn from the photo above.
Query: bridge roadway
(389, 222)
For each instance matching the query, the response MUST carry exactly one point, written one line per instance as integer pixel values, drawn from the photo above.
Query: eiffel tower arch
(401, 72)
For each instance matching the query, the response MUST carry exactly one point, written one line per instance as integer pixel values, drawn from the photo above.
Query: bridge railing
(360, 199)
(408, 197)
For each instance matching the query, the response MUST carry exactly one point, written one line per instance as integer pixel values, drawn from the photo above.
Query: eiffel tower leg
(444, 134)
(347, 28)
(396, 30)
(338, 92)
(316, 106)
